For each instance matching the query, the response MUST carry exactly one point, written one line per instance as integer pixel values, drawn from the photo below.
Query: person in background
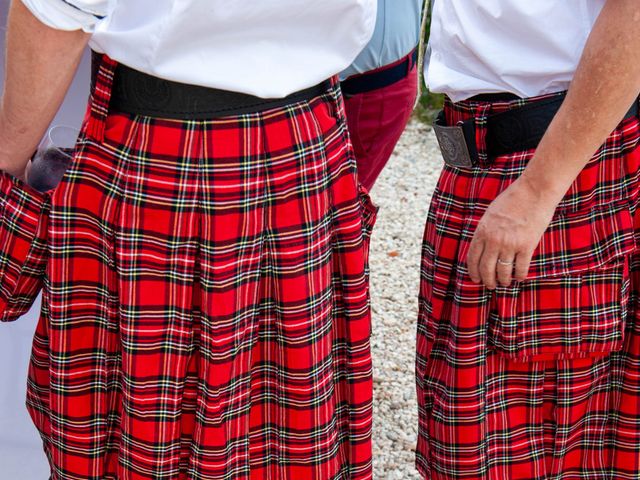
(205, 309)
(528, 355)
(381, 85)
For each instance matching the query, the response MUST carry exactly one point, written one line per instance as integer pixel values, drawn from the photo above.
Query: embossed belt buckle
(453, 145)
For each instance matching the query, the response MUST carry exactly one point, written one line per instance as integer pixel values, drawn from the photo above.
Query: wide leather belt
(138, 93)
(507, 132)
(379, 78)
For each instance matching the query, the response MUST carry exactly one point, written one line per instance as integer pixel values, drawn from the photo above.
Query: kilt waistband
(498, 127)
(139, 93)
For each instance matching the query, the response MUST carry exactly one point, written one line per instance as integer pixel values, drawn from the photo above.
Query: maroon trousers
(376, 120)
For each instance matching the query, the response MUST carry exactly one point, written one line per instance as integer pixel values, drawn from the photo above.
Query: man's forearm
(605, 84)
(40, 65)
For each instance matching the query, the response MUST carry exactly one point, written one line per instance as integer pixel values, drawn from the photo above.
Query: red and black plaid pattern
(206, 307)
(23, 245)
(539, 380)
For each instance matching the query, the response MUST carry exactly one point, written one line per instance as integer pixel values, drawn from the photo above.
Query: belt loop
(100, 96)
(338, 107)
(334, 80)
(480, 120)
(337, 99)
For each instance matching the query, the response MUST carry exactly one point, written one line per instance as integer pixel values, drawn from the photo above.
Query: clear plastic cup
(55, 152)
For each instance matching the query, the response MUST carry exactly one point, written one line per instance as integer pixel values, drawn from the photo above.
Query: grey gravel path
(403, 192)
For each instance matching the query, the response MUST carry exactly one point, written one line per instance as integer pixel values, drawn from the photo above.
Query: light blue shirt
(397, 32)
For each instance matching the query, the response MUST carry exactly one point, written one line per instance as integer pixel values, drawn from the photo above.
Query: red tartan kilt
(206, 306)
(23, 245)
(476, 347)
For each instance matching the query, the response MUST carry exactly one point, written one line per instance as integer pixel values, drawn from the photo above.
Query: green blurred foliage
(429, 106)
(430, 103)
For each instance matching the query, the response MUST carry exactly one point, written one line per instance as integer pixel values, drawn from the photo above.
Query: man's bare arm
(606, 83)
(40, 65)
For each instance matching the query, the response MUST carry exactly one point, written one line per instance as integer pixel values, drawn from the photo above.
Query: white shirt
(528, 48)
(268, 48)
(396, 34)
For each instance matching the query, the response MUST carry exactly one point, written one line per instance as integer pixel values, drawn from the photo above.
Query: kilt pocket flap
(584, 240)
(24, 213)
(574, 301)
(572, 316)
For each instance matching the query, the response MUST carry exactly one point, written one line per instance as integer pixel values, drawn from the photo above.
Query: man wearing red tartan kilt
(205, 308)
(528, 354)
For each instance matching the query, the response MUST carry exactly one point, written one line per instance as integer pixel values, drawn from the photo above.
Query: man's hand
(40, 65)
(604, 86)
(508, 234)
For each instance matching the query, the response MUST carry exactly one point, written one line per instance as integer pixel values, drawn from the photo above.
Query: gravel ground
(403, 192)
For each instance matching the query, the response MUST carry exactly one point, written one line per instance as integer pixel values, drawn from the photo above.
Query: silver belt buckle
(452, 144)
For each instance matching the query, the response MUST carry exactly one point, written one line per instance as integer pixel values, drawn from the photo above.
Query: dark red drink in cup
(47, 167)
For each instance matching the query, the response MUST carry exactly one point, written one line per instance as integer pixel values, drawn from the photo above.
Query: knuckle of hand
(521, 273)
(513, 244)
(493, 240)
(482, 232)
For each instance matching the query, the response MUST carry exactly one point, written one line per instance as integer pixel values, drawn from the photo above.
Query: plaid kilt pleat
(206, 310)
(539, 380)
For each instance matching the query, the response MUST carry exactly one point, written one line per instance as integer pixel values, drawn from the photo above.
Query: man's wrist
(17, 169)
(13, 158)
(14, 163)
(554, 166)
(548, 188)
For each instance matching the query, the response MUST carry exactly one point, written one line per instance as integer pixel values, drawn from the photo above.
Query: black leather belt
(379, 78)
(138, 93)
(510, 131)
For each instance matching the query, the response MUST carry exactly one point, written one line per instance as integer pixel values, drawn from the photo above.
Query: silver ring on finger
(502, 262)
